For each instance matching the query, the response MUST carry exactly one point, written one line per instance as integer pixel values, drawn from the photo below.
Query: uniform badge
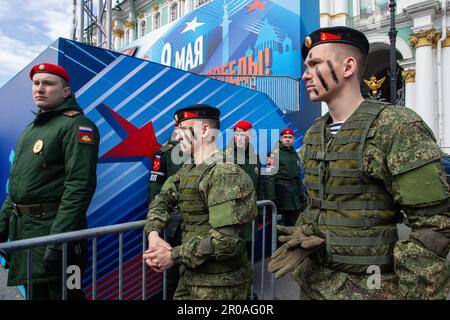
(85, 135)
(42, 67)
(308, 42)
(176, 118)
(156, 164)
(38, 146)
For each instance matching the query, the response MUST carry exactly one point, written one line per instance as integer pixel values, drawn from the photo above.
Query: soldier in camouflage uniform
(162, 168)
(242, 152)
(51, 183)
(368, 166)
(216, 201)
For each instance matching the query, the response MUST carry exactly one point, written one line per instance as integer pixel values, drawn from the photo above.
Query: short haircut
(345, 50)
(64, 83)
(213, 123)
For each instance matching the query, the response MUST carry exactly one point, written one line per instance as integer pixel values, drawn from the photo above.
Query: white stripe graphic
(87, 53)
(115, 87)
(243, 103)
(91, 82)
(136, 93)
(155, 99)
(169, 125)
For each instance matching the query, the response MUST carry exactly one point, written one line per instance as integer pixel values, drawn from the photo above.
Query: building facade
(423, 52)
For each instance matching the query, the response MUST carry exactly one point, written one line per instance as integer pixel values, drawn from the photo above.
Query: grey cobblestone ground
(7, 293)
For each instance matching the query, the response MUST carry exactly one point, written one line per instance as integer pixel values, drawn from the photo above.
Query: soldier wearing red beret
(51, 183)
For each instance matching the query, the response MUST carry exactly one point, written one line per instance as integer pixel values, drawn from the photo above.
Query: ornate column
(446, 91)
(118, 33)
(340, 13)
(325, 13)
(409, 77)
(426, 105)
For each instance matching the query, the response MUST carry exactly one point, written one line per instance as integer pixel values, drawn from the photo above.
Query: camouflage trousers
(189, 292)
(418, 274)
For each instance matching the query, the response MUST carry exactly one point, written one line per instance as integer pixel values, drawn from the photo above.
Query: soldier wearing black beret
(367, 165)
(217, 200)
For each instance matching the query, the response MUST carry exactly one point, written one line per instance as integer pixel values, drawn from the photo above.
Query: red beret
(244, 125)
(287, 131)
(49, 68)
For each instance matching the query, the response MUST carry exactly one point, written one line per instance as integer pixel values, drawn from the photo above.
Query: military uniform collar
(69, 104)
(214, 158)
(283, 147)
(328, 120)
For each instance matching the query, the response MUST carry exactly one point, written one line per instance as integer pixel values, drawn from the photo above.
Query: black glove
(5, 256)
(53, 260)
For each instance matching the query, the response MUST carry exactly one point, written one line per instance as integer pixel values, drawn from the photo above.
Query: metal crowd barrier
(94, 233)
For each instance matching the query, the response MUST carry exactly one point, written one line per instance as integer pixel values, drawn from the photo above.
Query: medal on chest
(38, 146)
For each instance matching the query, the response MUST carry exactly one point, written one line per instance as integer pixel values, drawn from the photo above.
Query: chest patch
(156, 164)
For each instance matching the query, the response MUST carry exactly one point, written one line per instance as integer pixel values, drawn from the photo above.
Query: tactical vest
(195, 214)
(353, 212)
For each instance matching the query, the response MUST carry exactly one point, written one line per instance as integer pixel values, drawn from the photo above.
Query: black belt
(36, 210)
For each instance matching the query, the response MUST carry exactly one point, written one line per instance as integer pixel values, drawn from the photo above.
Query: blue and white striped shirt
(335, 127)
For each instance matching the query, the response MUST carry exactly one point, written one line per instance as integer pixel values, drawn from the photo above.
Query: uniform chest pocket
(52, 153)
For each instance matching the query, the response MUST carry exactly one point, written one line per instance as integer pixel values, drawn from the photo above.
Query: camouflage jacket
(401, 153)
(230, 199)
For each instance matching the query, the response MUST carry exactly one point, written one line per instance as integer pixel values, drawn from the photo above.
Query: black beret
(196, 111)
(336, 35)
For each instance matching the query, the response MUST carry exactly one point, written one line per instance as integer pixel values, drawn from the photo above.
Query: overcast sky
(27, 27)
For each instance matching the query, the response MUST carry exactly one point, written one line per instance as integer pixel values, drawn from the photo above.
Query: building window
(156, 20)
(142, 28)
(201, 2)
(174, 12)
(371, 7)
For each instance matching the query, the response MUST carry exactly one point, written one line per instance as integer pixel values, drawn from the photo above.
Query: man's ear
(205, 130)
(67, 92)
(350, 67)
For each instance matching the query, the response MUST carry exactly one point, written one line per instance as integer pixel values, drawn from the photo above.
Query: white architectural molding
(401, 45)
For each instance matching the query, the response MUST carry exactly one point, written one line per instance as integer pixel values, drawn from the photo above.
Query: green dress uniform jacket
(163, 167)
(283, 184)
(54, 165)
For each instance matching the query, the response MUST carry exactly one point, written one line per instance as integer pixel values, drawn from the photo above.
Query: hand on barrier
(299, 243)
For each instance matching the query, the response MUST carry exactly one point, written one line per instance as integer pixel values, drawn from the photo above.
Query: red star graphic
(137, 143)
(256, 5)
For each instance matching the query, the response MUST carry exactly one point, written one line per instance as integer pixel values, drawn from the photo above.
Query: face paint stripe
(333, 73)
(322, 80)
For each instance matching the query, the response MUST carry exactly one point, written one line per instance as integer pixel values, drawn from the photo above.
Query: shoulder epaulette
(71, 113)
(167, 147)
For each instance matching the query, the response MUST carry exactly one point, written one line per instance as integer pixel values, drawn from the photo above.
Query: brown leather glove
(299, 243)
(299, 236)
